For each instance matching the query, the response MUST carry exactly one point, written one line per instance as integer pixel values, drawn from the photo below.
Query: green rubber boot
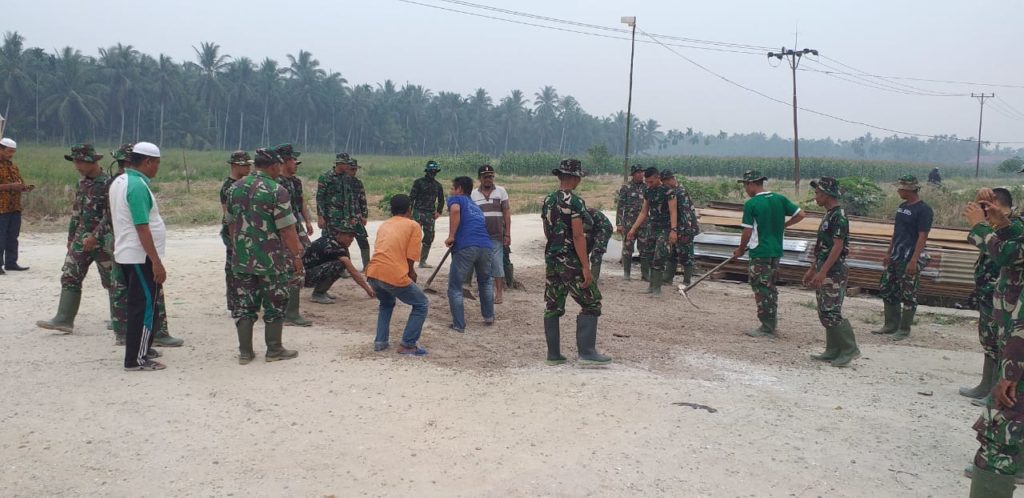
(595, 270)
(1019, 478)
(892, 319)
(687, 274)
(245, 353)
(275, 350)
(848, 350)
(552, 335)
(987, 484)
(320, 295)
(767, 329)
(424, 252)
(645, 271)
(657, 277)
(987, 380)
(67, 310)
(831, 346)
(906, 321)
(586, 341)
(164, 339)
(627, 265)
(291, 314)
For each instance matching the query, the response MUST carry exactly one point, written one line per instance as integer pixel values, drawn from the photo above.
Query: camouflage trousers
(426, 221)
(645, 243)
(77, 262)
(230, 282)
(563, 282)
(659, 250)
(628, 245)
(509, 268)
(327, 272)
(304, 241)
(119, 304)
(830, 296)
(268, 291)
(988, 327)
(363, 241)
(899, 288)
(763, 272)
(999, 433)
(681, 253)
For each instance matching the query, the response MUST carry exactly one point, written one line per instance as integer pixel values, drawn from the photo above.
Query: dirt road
(481, 415)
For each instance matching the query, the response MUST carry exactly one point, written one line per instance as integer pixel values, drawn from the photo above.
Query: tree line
(217, 101)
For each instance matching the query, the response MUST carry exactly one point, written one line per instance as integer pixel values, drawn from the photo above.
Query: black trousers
(143, 318)
(10, 228)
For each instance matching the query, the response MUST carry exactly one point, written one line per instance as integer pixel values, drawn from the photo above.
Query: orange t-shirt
(398, 241)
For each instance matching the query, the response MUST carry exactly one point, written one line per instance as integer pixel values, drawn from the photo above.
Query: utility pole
(981, 113)
(631, 22)
(793, 58)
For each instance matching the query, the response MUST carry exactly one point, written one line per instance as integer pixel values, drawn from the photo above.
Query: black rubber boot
(595, 270)
(320, 294)
(552, 335)
(892, 319)
(656, 279)
(275, 350)
(687, 274)
(627, 265)
(291, 314)
(987, 484)
(245, 353)
(67, 310)
(987, 380)
(831, 346)
(424, 252)
(848, 350)
(586, 341)
(906, 321)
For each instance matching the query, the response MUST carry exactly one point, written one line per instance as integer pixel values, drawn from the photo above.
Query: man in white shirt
(139, 241)
(493, 201)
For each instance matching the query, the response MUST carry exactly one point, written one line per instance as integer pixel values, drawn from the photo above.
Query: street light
(631, 22)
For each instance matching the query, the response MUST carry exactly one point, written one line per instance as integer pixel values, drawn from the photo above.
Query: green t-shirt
(766, 213)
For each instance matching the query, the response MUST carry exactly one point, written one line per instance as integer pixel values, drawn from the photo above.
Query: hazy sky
(371, 41)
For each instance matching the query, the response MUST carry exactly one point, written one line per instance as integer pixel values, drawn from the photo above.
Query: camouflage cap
(752, 176)
(240, 158)
(571, 167)
(266, 157)
(121, 154)
(432, 166)
(287, 151)
(342, 158)
(348, 227)
(666, 174)
(83, 152)
(908, 182)
(636, 168)
(354, 163)
(828, 185)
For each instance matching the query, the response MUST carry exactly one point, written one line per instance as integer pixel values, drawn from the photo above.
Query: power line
(812, 111)
(1010, 107)
(886, 84)
(568, 30)
(927, 80)
(873, 85)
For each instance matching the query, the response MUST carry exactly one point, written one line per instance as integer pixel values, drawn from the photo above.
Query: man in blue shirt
(471, 249)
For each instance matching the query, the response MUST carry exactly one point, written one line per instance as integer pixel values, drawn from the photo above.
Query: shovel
(430, 280)
(684, 288)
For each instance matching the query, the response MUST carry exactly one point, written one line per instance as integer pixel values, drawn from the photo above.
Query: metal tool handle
(438, 267)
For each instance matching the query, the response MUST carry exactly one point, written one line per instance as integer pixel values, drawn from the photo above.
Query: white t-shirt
(132, 203)
(493, 210)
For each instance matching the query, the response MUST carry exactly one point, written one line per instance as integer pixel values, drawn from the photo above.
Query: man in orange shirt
(11, 187)
(392, 276)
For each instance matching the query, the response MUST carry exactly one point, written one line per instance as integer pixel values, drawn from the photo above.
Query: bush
(1011, 165)
(599, 158)
(860, 195)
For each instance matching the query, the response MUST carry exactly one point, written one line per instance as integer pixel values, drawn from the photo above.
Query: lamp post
(631, 22)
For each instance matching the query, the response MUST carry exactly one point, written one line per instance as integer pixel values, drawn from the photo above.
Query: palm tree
(167, 77)
(210, 65)
(546, 108)
(268, 79)
(512, 109)
(240, 76)
(570, 112)
(304, 75)
(74, 100)
(119, 67)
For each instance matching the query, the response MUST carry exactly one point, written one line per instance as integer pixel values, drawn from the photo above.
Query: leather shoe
(15, 267)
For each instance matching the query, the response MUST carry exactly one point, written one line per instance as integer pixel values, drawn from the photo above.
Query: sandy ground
(481, 415)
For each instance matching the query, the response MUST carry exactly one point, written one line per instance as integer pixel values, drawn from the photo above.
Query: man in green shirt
(764, 223)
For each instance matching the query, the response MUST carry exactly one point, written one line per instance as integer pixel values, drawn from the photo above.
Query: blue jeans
(463, 261)
(411, 295)
(10, 228)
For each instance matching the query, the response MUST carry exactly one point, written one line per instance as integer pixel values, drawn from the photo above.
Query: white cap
(146, 149)
(10, 144)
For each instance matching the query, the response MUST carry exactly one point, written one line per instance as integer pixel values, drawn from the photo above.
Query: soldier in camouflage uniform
(764, 215)
(661, 213)
(628, 202)
(599, 229)
(327, 259)
(428, 201)
(267, 257)
(363, 209)
(828, 275)
(293, 185)
(987, 273)
(240, 165)
(86, 236)
(1000, 428)
(567, 267)
(687, 230)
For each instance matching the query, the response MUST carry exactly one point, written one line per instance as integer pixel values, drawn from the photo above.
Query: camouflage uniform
(564, 272)
(994, 273)
(660, 223)
(599, 229)
(321, 261)
(834, 225)
(427, 196)
(259, 208)
(363, 209)
(688, 228)
(628, 203)
(1000, 429)
(336, 198)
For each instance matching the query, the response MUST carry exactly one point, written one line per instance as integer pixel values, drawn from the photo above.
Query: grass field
(192, 198)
